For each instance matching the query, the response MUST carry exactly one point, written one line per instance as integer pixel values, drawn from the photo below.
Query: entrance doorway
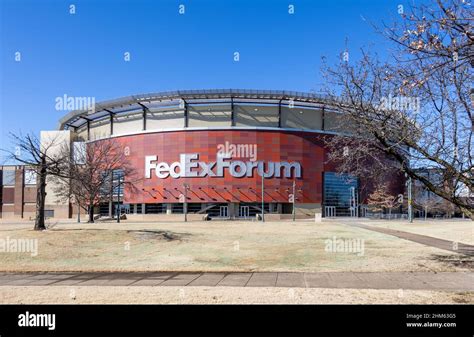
(330, 211)
(340, 191)
(244, 211)
(224, 211)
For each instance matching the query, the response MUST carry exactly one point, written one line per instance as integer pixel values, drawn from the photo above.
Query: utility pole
(263, 204)
(185, 186)
(294, 199)
(410, 215)
(111, 195)
(354, 203)
(118, 197)
(78, 211)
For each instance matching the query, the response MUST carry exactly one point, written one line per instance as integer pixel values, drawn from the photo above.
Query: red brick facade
(274, 146)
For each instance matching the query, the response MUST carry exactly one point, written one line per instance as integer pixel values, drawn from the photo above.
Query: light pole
(78, 211)
(354, 205)
(263, 204)
(410, 215)
(118, 197)
(185, 186)
(294, 198)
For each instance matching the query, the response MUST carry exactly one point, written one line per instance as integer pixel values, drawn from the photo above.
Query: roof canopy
(169, 99)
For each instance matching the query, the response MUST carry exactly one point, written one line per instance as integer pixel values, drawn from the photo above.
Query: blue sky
(83, 54)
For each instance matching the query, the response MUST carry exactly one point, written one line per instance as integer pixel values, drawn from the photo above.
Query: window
(113, 187)
(155, 208)
(79, 152)
(8, 178)
(49, 213)
(30, 177)
(116, 183)
(177, 208)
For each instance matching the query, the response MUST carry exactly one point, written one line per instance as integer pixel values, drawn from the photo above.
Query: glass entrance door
(224, 211)
(330, 211)
(342, 192)
(244, 211)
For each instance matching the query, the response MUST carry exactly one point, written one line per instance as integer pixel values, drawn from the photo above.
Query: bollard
(318, 217)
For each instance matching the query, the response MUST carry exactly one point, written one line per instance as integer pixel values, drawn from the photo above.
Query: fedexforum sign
(189, 167)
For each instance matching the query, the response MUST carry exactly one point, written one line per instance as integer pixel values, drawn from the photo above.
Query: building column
(279, 208)
(233, 209)
(111, 205)
(19, 191)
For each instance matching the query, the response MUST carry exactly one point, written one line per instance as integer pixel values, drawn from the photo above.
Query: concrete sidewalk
(452, 246)
(448, 281)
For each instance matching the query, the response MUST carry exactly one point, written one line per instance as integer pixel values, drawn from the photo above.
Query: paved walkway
(452, 246)
(450, 281)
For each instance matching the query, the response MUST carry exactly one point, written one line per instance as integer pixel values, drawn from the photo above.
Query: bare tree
(93, 173)
(45, 160)
(381, 199)
(428, 203)
(439, 33)
(412, 110)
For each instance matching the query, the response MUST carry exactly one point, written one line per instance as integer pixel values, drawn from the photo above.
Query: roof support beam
(323, 118)
(111, 116)
(186, 115)
(111, 123)
(232, 113)
(88, 123)
(279, 113)
(144, 114)
(71, 126)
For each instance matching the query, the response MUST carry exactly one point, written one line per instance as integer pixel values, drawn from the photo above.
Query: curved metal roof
(137, 103)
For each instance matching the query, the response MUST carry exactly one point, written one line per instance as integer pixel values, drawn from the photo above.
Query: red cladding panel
(271, 146)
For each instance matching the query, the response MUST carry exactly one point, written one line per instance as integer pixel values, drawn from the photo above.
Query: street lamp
(78, 210)
(263, 204)
(294, 198)
(118, 197)
(354, 205)
(186, 187)
(410, 215)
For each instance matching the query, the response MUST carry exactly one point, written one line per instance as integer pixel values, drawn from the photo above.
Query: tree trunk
(468, 211)
(426, 213)
(91, 213)
(41, 198)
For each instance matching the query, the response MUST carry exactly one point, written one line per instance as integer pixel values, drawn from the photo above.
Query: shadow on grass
(80, 229)
(455, 260)
(145, 234)
(463, 298)
(142, 234)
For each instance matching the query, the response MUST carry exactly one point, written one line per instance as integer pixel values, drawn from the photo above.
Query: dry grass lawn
(220, 246)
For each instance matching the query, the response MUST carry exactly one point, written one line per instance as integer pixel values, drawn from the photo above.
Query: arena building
(222, 153)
